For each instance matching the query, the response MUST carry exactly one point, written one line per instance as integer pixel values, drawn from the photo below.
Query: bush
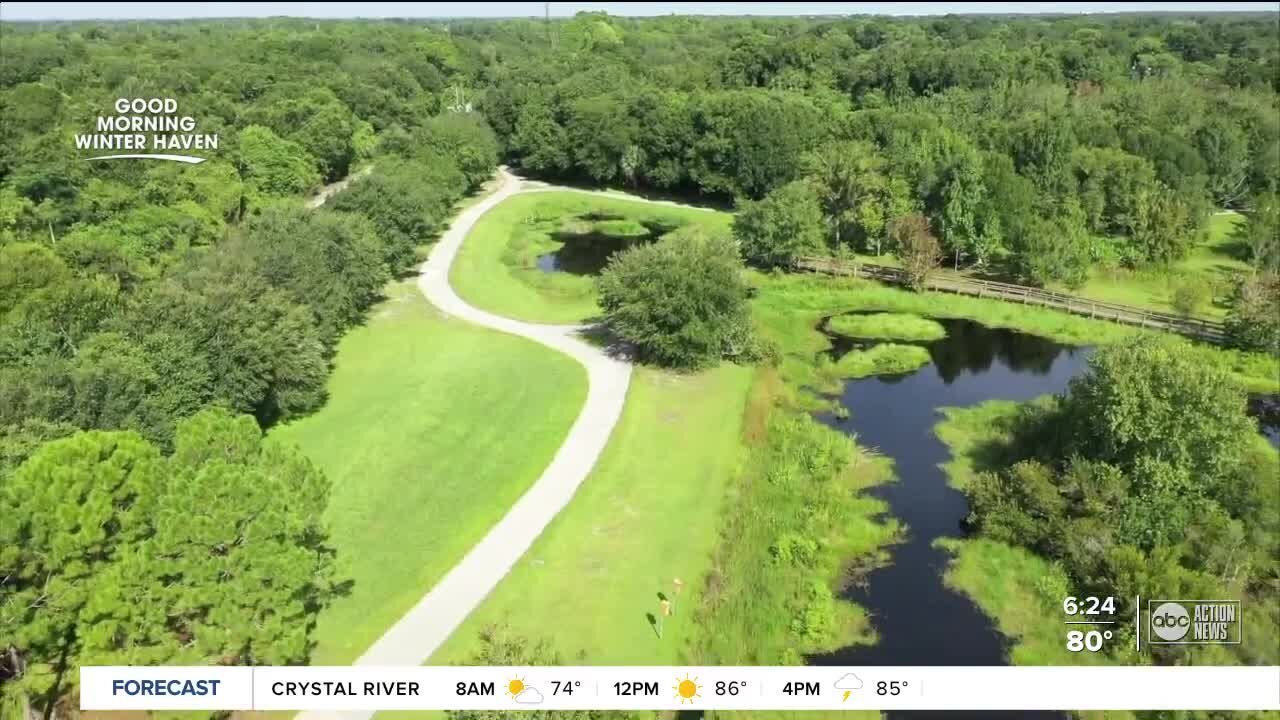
(1253, 322)
(918, 248)
(815, 618)
(1189, 297)
(682, 301)
(793, 549)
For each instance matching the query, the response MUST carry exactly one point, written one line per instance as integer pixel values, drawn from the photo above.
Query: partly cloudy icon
(530, 696)
(849, 681)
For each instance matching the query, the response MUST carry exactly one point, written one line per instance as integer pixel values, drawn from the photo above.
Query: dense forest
(153, 315)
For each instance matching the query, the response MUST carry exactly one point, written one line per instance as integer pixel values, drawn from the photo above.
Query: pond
(587, 243)
(919, 620)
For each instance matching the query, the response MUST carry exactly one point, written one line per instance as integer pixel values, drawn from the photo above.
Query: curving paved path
(430, 622)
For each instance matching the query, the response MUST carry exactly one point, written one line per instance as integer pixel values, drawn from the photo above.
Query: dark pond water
(587, 253)
(1266, 409)
(919, 620)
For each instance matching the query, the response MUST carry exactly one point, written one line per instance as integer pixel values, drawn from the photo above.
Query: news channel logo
(1194, 622)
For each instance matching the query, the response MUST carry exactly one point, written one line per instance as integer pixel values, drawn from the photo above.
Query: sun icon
(686, 689)
(515, 686)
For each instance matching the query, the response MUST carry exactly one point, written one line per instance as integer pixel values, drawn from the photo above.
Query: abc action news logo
(1194, 622)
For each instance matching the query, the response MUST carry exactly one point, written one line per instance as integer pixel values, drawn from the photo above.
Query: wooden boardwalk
(1198, 328)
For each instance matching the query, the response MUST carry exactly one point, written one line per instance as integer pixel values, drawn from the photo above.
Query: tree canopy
(681, 300)
(117, 554)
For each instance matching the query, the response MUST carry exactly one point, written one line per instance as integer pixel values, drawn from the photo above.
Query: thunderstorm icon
(848, 683)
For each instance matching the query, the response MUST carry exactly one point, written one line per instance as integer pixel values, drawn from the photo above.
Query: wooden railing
(1199, 328)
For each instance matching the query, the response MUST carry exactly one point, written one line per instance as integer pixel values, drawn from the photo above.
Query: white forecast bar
(674, 688)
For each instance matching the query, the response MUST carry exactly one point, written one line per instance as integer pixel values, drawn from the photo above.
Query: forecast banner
(363, 690)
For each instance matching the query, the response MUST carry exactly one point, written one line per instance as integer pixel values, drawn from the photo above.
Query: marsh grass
(884, 359)
(796, 529)
(887, 326)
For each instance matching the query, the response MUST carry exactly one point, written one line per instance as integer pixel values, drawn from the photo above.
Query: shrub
(918, 248)
(1189, 297)
(793, 549)
(682, 301)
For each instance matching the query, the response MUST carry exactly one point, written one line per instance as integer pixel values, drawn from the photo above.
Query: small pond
(589, 240)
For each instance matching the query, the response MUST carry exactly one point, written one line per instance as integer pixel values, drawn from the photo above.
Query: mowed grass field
(432, 429)
(1213, 264)
(646, 515)
(497, 270)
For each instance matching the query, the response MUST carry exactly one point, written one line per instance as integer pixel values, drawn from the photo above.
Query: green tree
(407, 201)
(233, 340)
(272, 166)
(1225, 149)
(25, 268)
(917, 247)
(599, 135)
(1053, 248)
(541, 142)
(246, 572)
(330, 262)
(466, 140)
(1162, 227)
(858, 195)
(681, 301)
(72, 512)
(785, 225)
(963, 196)
(1253, 321)
(1260, 232)
(1155, 398)
(214, 555)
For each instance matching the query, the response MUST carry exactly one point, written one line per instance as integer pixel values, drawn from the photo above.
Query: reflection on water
(587, 252)
(919, 620)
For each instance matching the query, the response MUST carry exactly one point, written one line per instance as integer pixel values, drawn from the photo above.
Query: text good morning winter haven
(146, 124)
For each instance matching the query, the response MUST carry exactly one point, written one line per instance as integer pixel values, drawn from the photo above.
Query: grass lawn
(1212, 263)
(647, 514)
(497, 268)
(432, 429)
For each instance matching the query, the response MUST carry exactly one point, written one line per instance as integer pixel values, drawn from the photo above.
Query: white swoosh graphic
(176, 158)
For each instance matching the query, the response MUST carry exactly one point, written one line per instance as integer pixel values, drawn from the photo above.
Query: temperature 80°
(1087, 641)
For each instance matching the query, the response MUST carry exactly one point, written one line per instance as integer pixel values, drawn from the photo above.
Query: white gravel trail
(430, 622)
